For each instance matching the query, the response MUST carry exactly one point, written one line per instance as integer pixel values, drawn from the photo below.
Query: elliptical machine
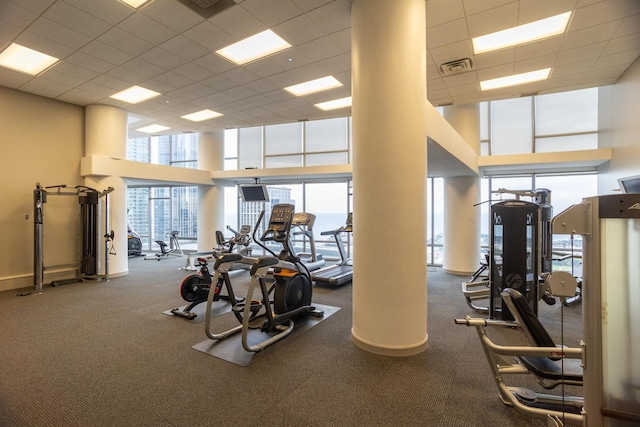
(195, 289)
(292, 287)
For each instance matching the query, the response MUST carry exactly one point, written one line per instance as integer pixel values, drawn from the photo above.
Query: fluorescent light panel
(25, 60)
(254, 47)
(201, 115)
(526, 33)
(153, 128)
(134, 3)
(335, 104)
(312, 86)
(516, 79)
(135, 94)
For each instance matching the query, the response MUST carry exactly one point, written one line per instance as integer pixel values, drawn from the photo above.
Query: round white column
(389, 176)
(106, 135)
(461, 251)
(210, 197)
(462, 225)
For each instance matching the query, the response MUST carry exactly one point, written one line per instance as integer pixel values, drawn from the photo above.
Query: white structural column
(462, 221)
(106, 135)
(210, 197)
(389, 176)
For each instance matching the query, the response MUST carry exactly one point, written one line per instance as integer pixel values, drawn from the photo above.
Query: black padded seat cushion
(544, 367)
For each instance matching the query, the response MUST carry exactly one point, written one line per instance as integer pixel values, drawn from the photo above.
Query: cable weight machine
(92, 204)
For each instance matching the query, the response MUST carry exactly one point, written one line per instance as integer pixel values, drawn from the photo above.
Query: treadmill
(342, 272)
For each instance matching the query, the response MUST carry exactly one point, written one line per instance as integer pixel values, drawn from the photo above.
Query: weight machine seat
(555, 369)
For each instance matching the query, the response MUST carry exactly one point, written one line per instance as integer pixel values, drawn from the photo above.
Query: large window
(565, 121)
(155, 211)
(313, 143)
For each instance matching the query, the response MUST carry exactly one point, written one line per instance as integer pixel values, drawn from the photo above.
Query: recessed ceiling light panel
(335, 104)
(312, 86)
(521, 34)
(134, 3)
(153, 128)
(516, 79)
(254, 47)
(25, 60)
(135, 94)
(202, 115)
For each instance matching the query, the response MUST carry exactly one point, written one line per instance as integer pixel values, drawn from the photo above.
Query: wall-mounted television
(630, 184)
(254, 193)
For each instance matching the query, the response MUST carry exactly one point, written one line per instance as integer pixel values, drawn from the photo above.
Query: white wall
(620, 128)
(41, 140)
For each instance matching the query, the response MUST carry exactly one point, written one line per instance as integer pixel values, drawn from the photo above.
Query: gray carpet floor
(104, 354)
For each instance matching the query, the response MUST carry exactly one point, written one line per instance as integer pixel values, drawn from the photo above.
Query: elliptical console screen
(281, 217)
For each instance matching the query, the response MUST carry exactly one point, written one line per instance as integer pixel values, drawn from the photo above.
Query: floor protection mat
(218, 307)
(231, 348)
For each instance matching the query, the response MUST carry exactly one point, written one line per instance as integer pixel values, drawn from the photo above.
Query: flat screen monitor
(254, 193)
(630, 184)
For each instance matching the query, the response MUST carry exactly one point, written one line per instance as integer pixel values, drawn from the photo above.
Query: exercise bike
(291, 288)
(196, 288)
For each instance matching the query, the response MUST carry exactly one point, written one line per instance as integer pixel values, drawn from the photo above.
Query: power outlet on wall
(26, 216)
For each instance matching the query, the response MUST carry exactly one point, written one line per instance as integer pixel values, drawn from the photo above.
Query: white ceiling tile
(495, 58)
(460, 79)
(538, 49)
(15, 14)
(172, 14)
(184, 48)
(581, 53)
(320, 49)
(271, 12)
(444, 34)
(451, 52)
(493, 20)
(601, 12)
(472, 7)
(573, 68)
(69, 16)
(441, 11)
(89, 62)
(298, 30)
(124, 41)
(208, 35)
(596, 34)
(146, 29)
(162, 58)
(630, 25)
(106, 53)
(110, 11)
(622, 44)
(616, 60)
(533, 10)
(237, 22)
(332, 17)
(43, 44)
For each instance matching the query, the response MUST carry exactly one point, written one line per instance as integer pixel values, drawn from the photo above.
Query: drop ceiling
(106, 46)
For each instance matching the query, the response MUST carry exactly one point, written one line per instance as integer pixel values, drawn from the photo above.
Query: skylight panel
(135, 94)
(525, 33)
(254, 47)
(516, 79)
(313, 86)
(22, 59)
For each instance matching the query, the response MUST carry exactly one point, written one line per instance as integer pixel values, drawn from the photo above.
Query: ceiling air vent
(456, 67)
(208, 8)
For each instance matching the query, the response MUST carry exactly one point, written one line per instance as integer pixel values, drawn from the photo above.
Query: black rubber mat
(231, 348)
